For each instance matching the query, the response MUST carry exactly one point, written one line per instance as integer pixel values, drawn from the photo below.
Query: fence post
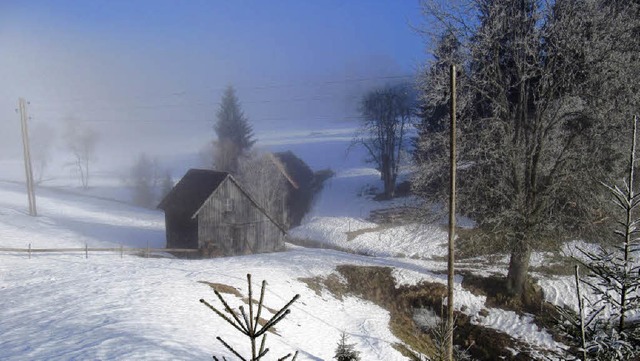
(121, 250)
(29, 250)
(86, 251)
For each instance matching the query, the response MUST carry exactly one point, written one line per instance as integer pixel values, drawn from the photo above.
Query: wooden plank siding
(230, 223)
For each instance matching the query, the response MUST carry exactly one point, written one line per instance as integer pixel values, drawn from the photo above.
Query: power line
(181, 93)
(329, 82)
(208, 120)
(205, 104)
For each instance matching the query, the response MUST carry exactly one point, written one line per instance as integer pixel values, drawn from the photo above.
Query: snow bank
(330, 230)
(414, 240)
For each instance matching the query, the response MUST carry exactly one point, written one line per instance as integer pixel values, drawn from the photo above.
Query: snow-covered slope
(65, 307)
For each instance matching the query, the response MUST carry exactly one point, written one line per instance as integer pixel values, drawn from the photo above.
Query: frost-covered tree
(535, 127)
(431, 145)
(234, 134)
(41, 139)
(346, 351)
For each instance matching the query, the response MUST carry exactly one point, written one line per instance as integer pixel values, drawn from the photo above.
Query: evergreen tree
(252, 327)
(345, 351)
(431, 144)
(235, 135)
(435, 84)
(613, 276)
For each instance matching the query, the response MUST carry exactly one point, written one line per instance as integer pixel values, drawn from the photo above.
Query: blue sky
(294, 63)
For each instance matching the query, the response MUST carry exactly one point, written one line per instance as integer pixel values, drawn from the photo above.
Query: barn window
(228, 205)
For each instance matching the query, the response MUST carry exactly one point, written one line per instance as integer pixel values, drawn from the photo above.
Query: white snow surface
(65, 307)
(342, 207)
(414, 240)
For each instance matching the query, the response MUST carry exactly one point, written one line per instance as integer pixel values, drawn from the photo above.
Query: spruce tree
(250, 324)
(345, 351)
(613, 278)
(235, 135)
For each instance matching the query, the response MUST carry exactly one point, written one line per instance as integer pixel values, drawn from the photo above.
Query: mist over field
(380, 159)
(148, 76)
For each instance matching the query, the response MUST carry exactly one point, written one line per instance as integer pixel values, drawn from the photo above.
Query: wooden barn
(210, 210)
(302, 185)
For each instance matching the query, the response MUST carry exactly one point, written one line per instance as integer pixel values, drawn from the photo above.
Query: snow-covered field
(66, 307)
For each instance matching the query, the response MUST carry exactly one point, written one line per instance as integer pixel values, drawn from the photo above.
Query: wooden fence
(86, 249)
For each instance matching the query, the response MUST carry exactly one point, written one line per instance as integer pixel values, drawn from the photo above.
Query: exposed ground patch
(545, 315)
(222, 288)
(377, 284)
(353, 234)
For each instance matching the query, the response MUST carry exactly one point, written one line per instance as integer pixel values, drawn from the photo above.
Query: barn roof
(283, 170)
(190, 193)
(295, 169)
(192, 190)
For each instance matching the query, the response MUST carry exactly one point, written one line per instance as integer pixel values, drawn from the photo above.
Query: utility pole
(22, 106)
(452, 216)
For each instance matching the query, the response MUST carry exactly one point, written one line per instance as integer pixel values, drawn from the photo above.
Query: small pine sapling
(248, 325)
(607, 333)
(441, 334)
(346, 351)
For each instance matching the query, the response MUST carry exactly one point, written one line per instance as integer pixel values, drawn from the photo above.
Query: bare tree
(262, 176)
(206, 155)
(143, 179)
(81, 141)
(386, 114)
(167, 184)
(42, 138)
(226, 156)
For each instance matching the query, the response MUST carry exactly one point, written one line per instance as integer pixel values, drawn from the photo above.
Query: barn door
(239, 239)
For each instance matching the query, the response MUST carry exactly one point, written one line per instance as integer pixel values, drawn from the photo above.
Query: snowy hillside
(65, 307)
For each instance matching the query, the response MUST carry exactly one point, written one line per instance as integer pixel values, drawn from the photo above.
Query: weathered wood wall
(244, 229)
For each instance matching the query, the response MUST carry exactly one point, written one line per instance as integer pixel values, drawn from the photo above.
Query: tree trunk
(388, 179)
(518, 268)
